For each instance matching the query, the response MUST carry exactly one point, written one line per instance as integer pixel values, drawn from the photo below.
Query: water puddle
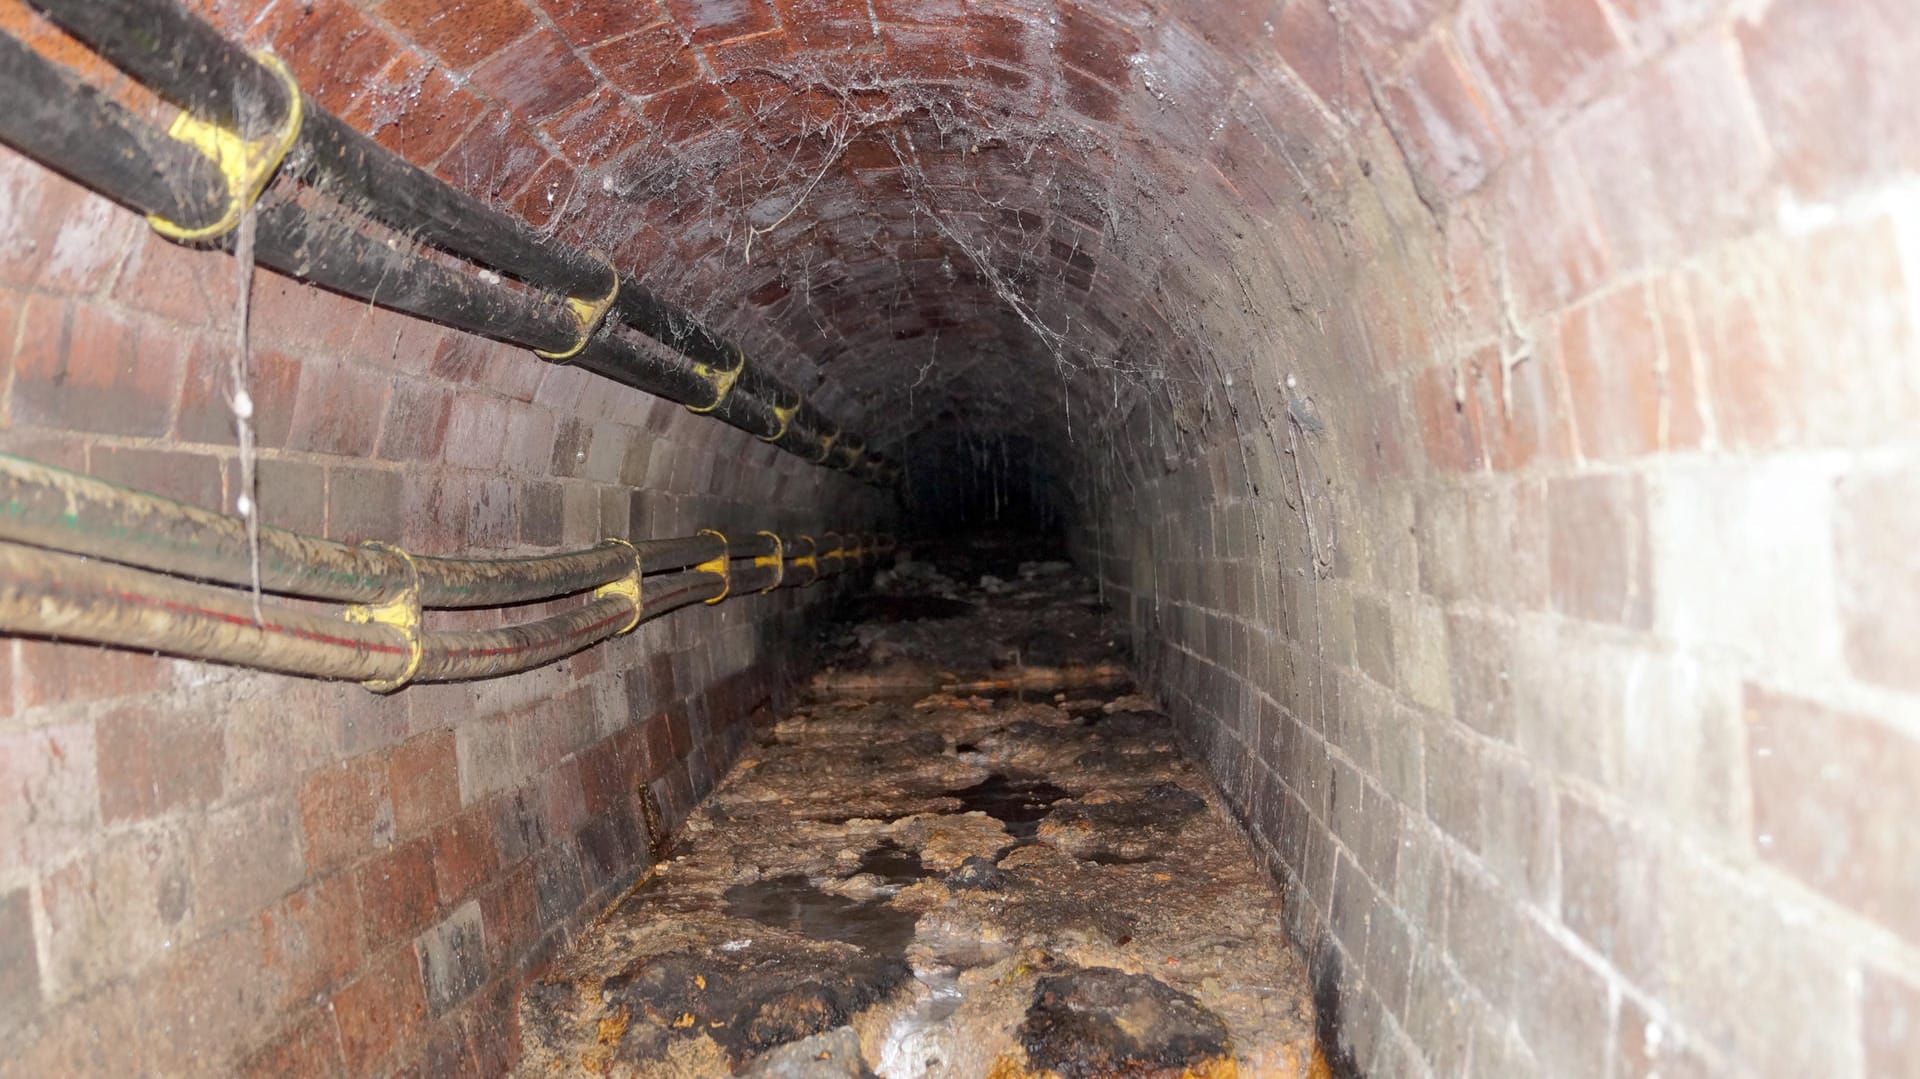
(791, 902)
(893, 865)
(1019, 804)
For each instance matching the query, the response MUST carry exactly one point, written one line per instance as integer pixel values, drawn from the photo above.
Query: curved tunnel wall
(1497, 419)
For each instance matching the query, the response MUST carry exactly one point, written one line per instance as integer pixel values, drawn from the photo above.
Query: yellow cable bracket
(245, 165)
(784, 414)
(722, 565)
(627, 588)
(826, 447)
(589, 312)
(778, 560)
(721, 380)
(811, 559)
(856, 449)
(402, 612)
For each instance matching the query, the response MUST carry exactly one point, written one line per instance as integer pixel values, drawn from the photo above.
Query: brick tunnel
(1495, 424)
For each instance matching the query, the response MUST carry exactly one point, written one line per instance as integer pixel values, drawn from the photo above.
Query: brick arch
(976, 190)
(1494, 417)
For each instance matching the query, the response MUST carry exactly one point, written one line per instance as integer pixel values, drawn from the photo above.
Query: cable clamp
(778, 560)
(839, 551)
(245, 166)
(589, 313)
(721, 381)
(722, 565)
(811, 559)
(785, 415)
(826, 447)
(627, 588)
(402, 612)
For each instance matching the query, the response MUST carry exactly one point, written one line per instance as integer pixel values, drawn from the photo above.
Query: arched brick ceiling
(941, 211)
(1147, 226)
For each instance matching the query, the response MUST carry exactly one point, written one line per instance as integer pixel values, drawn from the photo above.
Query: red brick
(1684, 423)
(998, 37)
(290, 494)
(52, 794)
(1443, 121)
(461, 32)
(1516, 411)
(1834, 86)
(206, 414)
(510, 911)
(416, 422)
(934, 12)
(648, 60)
(397, 896)
(689, 112)
(151, 762)
(193, 478)
(338, 410)
(834, 25)
(1556, 251)
(443, 1053)
(346, 811)
(245, 856)
(546, 194)
(1676, 162)
(310, 1046)
(709, 21)
(81, 367)
(1538, 56)
(1395, 21)
(58, 236)
(494, 159)
(492, 1031)
(384, 1010)
(1834, 804)
(464, 854)
(425, 777)
(605, 128)
(1600, 559)
(1094, 45)
(104, 1038)
(363, 504)
(417, 110)
(589, 22)
(123, 903)
(333, 49)
(310, 940)
(565, 796)
(537, 77)
(197, 1010)
(1876, 534)
(19, 966)
(188, 285)
(1612, 355)
(1446, 422)
(56, 673)
(1089, 96)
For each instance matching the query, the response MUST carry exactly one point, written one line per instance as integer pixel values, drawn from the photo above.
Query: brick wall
(1496, 416)
(205, 871)
(1539, 592)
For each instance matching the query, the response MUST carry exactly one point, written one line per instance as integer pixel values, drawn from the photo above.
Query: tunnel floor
(969, 851)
